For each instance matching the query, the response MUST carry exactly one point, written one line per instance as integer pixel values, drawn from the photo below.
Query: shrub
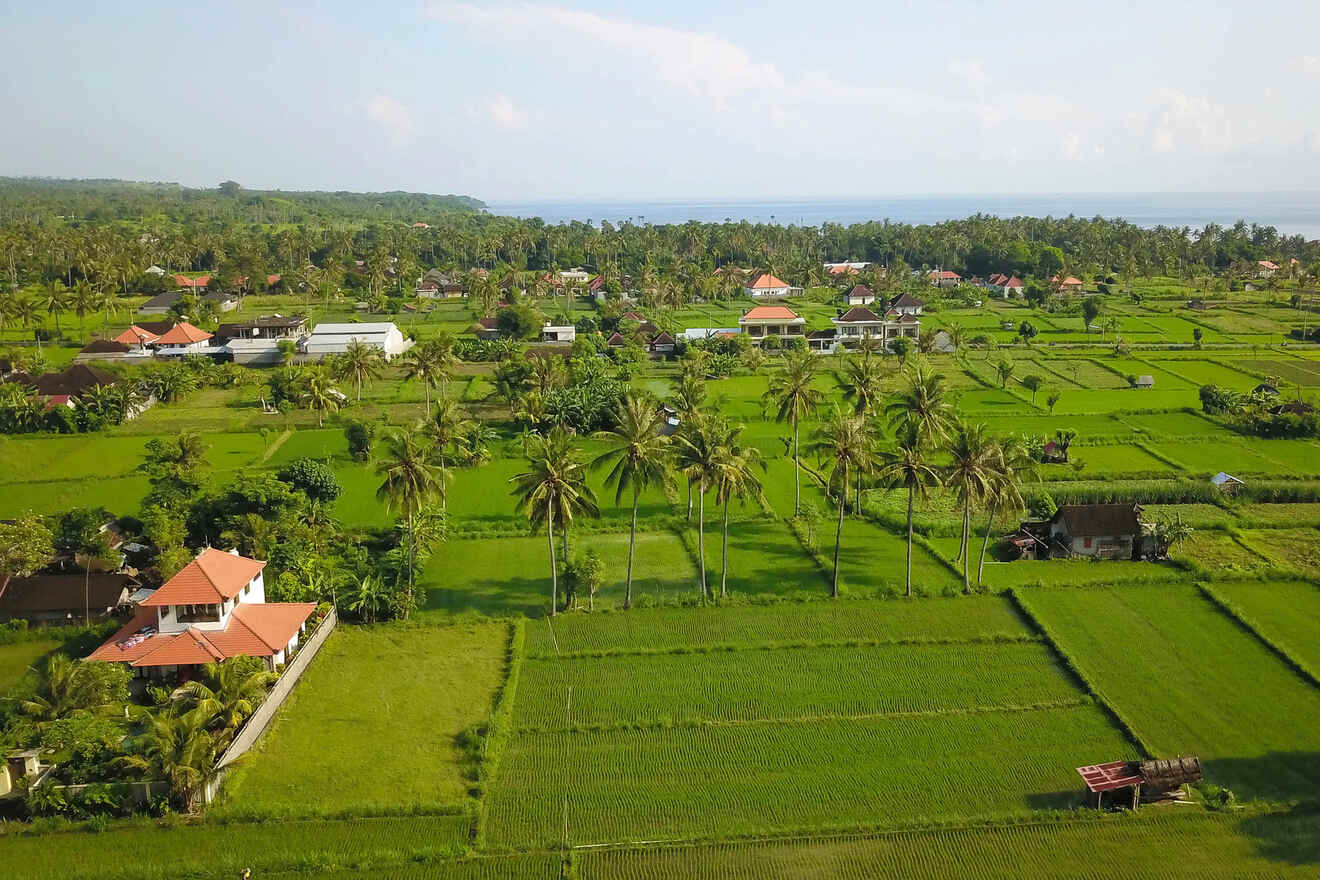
(312, 478)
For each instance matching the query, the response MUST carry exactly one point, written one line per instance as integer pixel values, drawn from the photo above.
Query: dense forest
(105, 233)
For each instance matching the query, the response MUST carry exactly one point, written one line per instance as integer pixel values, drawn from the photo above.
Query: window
(1086, 542)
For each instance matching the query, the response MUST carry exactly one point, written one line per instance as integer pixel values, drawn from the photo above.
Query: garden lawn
(1189, 680)
(16, 659)
(372, 726)
(509, 576)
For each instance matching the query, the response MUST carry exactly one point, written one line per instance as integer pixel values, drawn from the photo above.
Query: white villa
(334, 339)
(767, 285)
(860, 323)
(213, 609)
(558, 333)
(860, 295)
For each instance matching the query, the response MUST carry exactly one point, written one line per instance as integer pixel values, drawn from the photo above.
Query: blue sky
(678, 99)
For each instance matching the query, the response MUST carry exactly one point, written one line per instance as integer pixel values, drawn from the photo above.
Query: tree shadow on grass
(1286, 777)
(1293, 838)
(502, 597)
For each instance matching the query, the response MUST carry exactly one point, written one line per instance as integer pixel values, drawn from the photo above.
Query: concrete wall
(256, 725)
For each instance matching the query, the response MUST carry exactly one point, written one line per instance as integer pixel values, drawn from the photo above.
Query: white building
(767, 285)
(558, 333)
(763, 321)
(334, 339)
(576, 275)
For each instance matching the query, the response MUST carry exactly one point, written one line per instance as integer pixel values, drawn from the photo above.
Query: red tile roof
(843, 269)
(183, 334)
(210, 578)
(255, 627)
(1267, 264)
(766, 281)
(135, 335)
(256, 630)
(1070, 281)
(945, 275)
(770, 313)
(199, 281)
(272, 279)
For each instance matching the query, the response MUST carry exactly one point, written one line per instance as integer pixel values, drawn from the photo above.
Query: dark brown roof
(105, 346)
(488, 323)
(159, 328)
(905, 299)
(858, 314)
(266, 321)
(861, 290)
(162, 300)
(1099, 520)
(663, 338)
(64, 592)
(73, 380)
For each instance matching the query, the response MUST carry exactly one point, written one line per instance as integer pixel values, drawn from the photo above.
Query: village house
(66, 386)
(182, 339)
(161, 303)
(486, 328)
(944, 278)
(66, 598)
(762, 321)
(223, 302)
(906, 304)
(1227, 483)
(258, 341)
(326, 339)
(860, 323)
(845, 268)
(1005, 285)
(1099, 531)
(215, 608)
(861, 295)
(765, 285)
(1266, 268)
(1071, 284)
(559, 334)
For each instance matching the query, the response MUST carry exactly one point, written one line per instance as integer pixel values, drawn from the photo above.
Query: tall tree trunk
(967, 545)
(689, 510)
(632, 544)
(554, 569)
(701, 534)
(428, 400)
(797, 473)
(724, 551)
(838, 532)
(980, 569)
(911, 492)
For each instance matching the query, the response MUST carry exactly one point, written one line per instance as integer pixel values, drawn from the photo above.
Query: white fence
(258, 721)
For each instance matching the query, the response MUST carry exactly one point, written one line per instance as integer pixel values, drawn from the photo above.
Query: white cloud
(704, 65)
(501, 111)
(1071, 145)
(1181, 122)
(1308, 64)
(393, 116)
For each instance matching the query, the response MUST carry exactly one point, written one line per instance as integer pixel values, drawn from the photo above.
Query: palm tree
(862, 384)
(689, 396)
(790, 391)
(848, 442)
(368, 599)
(924, 403)
(65, 686)
(971, 475)
(735, 478)
(83, 302)
(428, 364)
(180, 749)
(450, 423)
(1011, 464)
(698, 448)
(320, 395)
(411, 482)
(1005, 369)
(54, 300)
(553, 487)
(908, 467)
(637, 459)
(226, 694)
(359, 362)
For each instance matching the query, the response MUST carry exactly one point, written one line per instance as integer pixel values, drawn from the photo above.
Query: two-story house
(763, 321)
(213, 609)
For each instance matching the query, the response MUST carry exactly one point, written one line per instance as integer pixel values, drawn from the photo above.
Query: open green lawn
(372, 727)
(764, 558)
(1176, 424)
(1286, 613)
(873, 560)
(1204, 685)
(503, 576)
(16, 659)
(1209, 458)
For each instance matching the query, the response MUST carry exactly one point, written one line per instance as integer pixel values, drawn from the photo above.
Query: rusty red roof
(1109, 776)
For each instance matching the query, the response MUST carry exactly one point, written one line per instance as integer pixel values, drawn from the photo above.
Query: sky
(677, 99)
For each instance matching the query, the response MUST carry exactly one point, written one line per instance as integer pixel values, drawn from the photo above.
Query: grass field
(16, 659)
(1217, 553)
(371, 728)
(764, 559)
(1205, 686)
(1298, 549)
(1285, 613)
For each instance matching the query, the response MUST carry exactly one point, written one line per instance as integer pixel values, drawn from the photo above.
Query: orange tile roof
(273, 625)
(843, 269)
(122, 646)
(770, 313)
(183, 334)
(135, 335)
(254, 631)
(765, 281)
(185, 281)
(210, 578)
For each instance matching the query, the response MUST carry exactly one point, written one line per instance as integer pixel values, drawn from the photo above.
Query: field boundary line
(735, 647)
(1226, 607)
(1088, 684)
(274, 447)
(499, 727)
(702, 723)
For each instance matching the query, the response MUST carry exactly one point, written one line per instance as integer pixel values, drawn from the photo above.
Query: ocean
(1292, 213)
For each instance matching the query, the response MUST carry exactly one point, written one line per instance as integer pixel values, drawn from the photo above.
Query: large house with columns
(762, 321)
(213, 609)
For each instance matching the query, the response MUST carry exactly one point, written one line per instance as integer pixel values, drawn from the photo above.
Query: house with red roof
(200, 282)
(859, 323)
(944, 278)
(1005, 285)
(760, 322)
(1266, 268)
(181, 339)
(766, 285)
(1071, 284)
(215, 608)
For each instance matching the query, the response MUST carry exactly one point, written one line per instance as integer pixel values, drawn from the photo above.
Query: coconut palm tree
(847, 441)
(319, 395)
(428, 364)
(908, 466)
(637, 459)
(554, 487)
(54, 300)
(226, 694)
(698, 447)
(735, 478)
(924, 403)
(1005, 370)
(971, 475)
(180, 749)
(1012, 463)
(791, 393)
(411, 482)
(862, 385)
(359, 362)
(450, 424)
(688, 398)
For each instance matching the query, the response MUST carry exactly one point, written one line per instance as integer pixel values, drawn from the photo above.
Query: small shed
(1145, 381)
(1150, 781)
(1227, 483)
